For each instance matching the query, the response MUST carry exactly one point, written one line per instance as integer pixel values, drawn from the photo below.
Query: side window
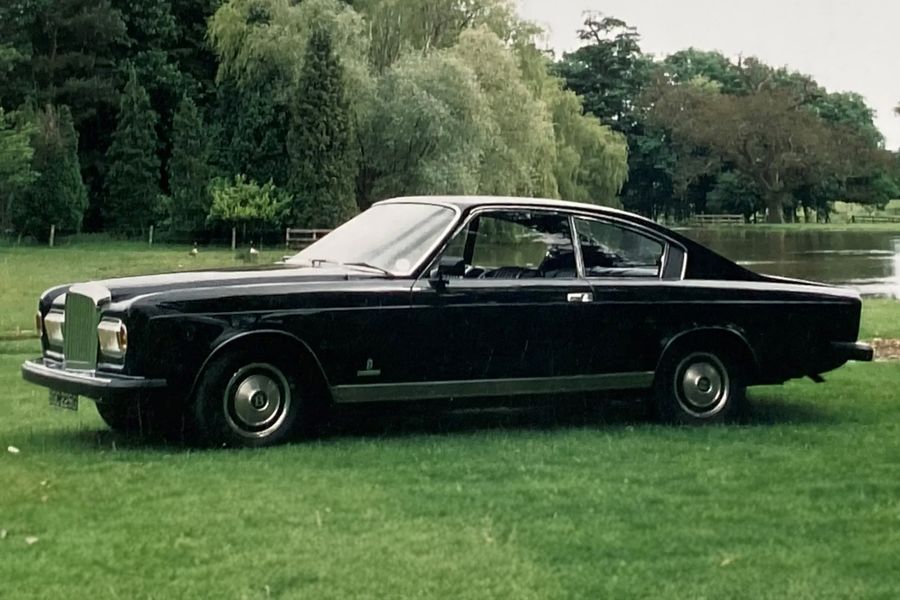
(516, 245)
(612, 251)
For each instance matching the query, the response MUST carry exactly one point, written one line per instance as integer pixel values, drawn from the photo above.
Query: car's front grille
(80, 337)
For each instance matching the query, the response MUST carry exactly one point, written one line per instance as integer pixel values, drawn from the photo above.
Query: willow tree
(590, 162)
(429, 129)
(400, 26)
(520, 152)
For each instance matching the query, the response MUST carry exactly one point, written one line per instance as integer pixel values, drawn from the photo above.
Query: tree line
(197, 114)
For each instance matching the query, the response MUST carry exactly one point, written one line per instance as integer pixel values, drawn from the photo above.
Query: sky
(845, 46)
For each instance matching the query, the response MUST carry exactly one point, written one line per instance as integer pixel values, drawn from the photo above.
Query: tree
(699, 66)
(16, 153)
(192, 51)
(429, 129)
(258, 73)
(520, 155)
(399, 26)
(247, 204)
(320, 141)
(609, 72)
(69, 55)
(590, 159)
(189, 170)
(132, 184)
(250, 129)
(766, 135)
(58, 195)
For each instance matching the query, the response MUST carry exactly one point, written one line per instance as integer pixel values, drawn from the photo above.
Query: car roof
(467, 202)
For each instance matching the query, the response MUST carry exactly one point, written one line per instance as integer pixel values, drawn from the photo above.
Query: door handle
(580, 297)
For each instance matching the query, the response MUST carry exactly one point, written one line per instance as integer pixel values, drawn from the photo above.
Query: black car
(432, 298)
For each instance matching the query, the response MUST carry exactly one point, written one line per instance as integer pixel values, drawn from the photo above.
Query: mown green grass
(880, 319)
(803, 502)
(559, 502)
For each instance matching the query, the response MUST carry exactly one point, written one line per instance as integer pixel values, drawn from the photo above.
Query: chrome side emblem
(370, 370)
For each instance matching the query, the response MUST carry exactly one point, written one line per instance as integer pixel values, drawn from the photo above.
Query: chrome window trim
(576, 243)
(477, 211)
(660, 238)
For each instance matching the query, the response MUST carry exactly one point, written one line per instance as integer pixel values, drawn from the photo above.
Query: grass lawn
(880, 319)
(802, 502)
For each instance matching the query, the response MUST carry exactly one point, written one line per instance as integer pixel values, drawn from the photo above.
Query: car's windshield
(387, 237)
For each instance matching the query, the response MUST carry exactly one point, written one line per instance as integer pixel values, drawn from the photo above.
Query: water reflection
(868, 261)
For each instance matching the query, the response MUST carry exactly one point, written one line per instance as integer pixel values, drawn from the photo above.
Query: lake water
(868, 261)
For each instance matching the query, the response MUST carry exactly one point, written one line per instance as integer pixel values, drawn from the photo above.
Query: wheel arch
(730, 337)
(251, 340)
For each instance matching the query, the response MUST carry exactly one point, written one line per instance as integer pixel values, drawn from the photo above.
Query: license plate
(63, 400)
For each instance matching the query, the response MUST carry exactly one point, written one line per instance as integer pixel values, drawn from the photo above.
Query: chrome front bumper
(102, 386)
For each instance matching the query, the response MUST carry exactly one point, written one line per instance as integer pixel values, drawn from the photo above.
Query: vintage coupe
(429, 298)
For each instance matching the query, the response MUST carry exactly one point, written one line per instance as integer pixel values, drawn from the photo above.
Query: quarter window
(609, 250)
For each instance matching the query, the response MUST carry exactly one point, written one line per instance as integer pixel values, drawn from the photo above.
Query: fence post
(233, 239)
(151, 235)
(287, 238)
(52, 235)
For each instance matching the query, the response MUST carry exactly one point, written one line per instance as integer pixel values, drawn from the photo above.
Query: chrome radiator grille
(82, 317)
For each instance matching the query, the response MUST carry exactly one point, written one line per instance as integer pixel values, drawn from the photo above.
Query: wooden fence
(704, 220)
(297, 239)
(874, 219)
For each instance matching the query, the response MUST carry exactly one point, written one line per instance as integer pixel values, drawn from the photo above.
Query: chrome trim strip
(478, 388)
(98, 293)
(88, 378)
(576, 245)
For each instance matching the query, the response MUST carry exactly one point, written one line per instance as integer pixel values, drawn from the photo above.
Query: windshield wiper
(318, 262)
(368, 266)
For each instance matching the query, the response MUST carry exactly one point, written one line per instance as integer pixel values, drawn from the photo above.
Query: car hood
(123, 289)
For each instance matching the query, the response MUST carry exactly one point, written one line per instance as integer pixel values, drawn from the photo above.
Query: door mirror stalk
(438, 278)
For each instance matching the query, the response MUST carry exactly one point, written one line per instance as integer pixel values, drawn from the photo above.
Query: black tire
(250, 399)
(697, 385)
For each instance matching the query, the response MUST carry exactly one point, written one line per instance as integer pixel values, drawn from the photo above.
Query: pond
(868, 261)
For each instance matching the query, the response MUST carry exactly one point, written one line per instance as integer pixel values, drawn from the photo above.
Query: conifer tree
(132, 183)
(323, 164)
(58, 195)
(189, 169)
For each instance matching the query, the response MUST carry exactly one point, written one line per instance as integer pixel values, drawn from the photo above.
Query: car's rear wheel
(696, 385)
(247, 399)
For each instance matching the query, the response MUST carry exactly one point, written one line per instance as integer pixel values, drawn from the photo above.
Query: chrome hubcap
(256, 400)
(702, 384)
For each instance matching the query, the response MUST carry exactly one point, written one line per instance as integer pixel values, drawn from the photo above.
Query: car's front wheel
(244, 399)
(696, 386)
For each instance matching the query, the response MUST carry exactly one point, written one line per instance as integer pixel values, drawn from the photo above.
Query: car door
(628, 270)
(508, 303)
